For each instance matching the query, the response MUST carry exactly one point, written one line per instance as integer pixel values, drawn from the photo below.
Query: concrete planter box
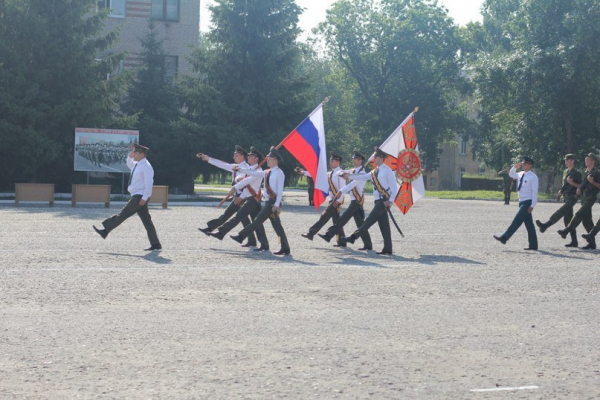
(90, 194)
(34, 192)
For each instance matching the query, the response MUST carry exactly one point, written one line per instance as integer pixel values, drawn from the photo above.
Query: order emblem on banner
(408, 167)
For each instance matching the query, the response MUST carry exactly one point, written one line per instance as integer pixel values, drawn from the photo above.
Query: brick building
(177, 21)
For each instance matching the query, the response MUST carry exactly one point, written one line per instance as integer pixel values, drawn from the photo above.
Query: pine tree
(51, 83)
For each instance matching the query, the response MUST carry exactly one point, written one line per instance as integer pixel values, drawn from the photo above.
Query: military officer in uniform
(336, 182)
(571, 181)
(251, 196)
(507, 184)
(385, 191)
(356, 209)
(140, 188)
(588, 193)
(527, 189)
(239, 157)
(273, 195)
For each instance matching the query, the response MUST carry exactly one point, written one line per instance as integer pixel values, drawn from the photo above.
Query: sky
(462, 11)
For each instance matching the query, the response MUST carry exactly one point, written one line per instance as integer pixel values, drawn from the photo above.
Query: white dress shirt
(338, 181)
(236, 176)
(142, 178)
(386, 179)
(252, 181)
(529, 188)
(359, 185)
(276, 179)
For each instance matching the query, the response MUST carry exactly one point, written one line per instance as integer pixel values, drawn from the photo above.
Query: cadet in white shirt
(385, 191)
(251, 195)
(140, 188)
(273, 195)
(336, 182)
(356, 209)
(527, 188)
(239, 156)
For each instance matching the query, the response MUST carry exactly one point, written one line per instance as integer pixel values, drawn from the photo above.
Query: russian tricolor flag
(307, 144)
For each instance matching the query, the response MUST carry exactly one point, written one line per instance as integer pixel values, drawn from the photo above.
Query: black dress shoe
(309, 236)
(206, 231)
(530, 248)
(501, 239)
(563, 232)
(101, 232)
(572, 244)
(382, 252)
(237, 238)
(589, 246)
(542, 227)
(325, 237)
(349, 239)
(282, 252)
(217, 235)
(340, 245)
(261, 248)
(154, 247)
(365, 248)
(253, 244)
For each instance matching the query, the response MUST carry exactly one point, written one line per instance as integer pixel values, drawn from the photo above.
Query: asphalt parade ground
(453, 314)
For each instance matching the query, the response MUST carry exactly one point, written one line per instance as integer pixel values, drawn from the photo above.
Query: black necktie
(131, 176)
(521, 182)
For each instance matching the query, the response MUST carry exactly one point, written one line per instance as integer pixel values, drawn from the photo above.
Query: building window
(171, 67)
(463, 146)
(165, 9)
(116, 7)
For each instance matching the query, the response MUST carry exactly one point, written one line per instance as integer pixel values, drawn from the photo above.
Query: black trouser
(507, 195)
(357, 211)
(378, 214)
(260, 219)
(566, 213)
(132, 207)
(584, 214)
(229, 212)
(251, 208)
(311, 191)
(330, 212)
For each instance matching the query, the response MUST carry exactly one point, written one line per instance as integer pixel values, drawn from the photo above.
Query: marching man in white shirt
(273, 195)
(527, 188)
(239, 156)
(385, 190)
(336, 182)
(251, 195)
(356, 209)
(140, 188)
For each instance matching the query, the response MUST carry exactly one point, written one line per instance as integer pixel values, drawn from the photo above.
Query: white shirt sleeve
(221, 164)
(348, 188)
(279, 187)
(534, 187)
(513, 173)
(130, 163)
(148, 181)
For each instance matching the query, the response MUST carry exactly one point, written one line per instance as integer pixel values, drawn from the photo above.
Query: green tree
(537, 79)
(51, 83)
(154, 98)
(399, 54)
(248, 87)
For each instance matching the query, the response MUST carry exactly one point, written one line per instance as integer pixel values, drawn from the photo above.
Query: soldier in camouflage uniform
(571, 181)
(588, 193)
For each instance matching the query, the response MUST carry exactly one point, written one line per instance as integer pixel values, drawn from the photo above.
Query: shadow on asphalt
(548, 253)
(264, 255)
(85, 211)
(151, 256)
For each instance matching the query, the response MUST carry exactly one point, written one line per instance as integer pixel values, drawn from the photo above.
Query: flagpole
(325, 101)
